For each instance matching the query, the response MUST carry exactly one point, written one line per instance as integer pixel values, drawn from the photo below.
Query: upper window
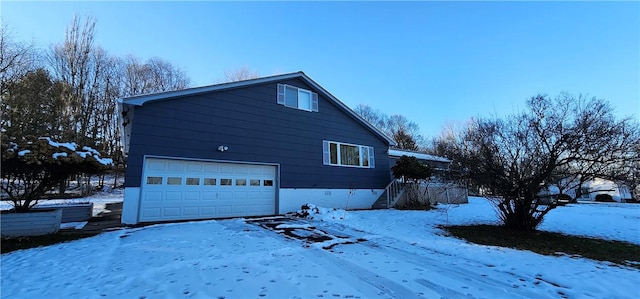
(291, 96)
(344, 154)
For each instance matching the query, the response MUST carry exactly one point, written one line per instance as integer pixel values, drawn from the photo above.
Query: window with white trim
(294, 97)
(345, 154)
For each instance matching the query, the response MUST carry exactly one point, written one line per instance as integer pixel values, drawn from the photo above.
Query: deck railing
(394, 190)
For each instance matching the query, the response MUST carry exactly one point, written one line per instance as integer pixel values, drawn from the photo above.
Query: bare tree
(16, 59)
(154, 75)
(71, 63)
(404, 132)
(74, 98)
(240, 74)
(373, 116)
(515, 158)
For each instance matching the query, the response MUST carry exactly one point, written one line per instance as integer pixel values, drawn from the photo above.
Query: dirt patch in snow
(305, 232)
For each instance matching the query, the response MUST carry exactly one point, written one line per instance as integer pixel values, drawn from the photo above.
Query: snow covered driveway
(375, 254)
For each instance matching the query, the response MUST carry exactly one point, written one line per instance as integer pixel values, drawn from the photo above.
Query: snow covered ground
(366, 254)
(99, 200)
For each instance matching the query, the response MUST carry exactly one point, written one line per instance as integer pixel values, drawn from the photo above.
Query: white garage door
(182, 190)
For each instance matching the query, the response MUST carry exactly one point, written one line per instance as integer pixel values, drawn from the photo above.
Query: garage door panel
(155, 165)
(208, 195)
(178, 189)
(223, 195)
(242, 169)
(210, 168)
(254, 195)
(173, 195)
(175, 165)
(191, 195)
(225, 210)
(171, 211)
(152, 212)
(194, 167)
(152, 196)
(209, 211)
(241, 210)
(226, 168)
(191, 211)
(257, 208)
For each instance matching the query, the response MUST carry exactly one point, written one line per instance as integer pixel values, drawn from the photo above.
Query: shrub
(411, 170)
(36, 165)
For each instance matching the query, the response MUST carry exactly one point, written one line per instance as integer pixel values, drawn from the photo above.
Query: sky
(434, 62)
(405, 255)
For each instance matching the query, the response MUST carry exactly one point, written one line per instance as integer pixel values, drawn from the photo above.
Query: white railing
(394, 190)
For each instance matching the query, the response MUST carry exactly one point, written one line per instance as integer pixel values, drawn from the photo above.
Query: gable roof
(140, 100)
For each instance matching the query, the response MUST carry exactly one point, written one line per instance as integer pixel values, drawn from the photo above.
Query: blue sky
(433, 62)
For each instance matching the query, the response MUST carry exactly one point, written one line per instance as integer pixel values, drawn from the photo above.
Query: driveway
(368, 254)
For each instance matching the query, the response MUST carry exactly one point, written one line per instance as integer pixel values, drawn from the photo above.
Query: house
(440, 188)
(589, 190)
(257, 147)
(440, 165)
(598, 186)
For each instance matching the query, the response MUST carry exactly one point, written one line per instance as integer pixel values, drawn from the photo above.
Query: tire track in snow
(443, 271)
(389, 283)
(333, 263)
(337, 264)
(393, 266)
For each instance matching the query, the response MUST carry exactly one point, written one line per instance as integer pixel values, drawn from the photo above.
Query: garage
(184, 190)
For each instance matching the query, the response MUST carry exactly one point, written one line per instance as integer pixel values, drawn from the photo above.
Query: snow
(104, 161)
(69, 145)
(375, 254)
(74, 225)
(56, 155)
(23, 152)
(72, 146)
(99, 200)
(422, 156)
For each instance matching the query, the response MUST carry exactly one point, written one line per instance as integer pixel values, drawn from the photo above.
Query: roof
(140, 100)
(421, 156)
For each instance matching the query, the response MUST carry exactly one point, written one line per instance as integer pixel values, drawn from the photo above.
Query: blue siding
(256, 129)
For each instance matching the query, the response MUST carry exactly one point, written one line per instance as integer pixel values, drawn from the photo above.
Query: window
(253, 182)
(193, 181)
(225, 182)
(174, 181)
(344, 154)
(154, 180)
(268, 183)
(291, 96)
(241, 182)
(209, 182)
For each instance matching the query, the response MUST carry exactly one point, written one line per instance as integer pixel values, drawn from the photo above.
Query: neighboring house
(590, 189)
(257, 147)
(593, 188)
(440, 165)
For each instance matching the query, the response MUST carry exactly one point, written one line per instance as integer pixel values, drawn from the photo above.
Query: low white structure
(593, 188)
(590, 189)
